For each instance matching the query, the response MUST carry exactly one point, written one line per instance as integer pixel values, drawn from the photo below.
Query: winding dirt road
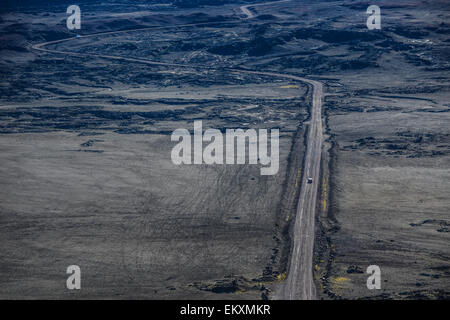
(299, 283)
(245, 9)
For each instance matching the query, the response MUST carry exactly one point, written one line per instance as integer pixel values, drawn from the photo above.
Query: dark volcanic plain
(86, 176)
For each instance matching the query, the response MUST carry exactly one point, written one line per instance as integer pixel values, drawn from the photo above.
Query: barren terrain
(86, 176)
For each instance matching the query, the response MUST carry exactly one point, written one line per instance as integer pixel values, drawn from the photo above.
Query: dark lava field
(86, 176)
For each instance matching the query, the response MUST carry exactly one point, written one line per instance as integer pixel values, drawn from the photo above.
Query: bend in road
(299, 283)
(245, 9)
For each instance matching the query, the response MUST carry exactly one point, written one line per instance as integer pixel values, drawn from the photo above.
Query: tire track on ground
(299, 283)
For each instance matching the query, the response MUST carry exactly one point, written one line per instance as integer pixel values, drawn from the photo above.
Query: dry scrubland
(86, 176)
